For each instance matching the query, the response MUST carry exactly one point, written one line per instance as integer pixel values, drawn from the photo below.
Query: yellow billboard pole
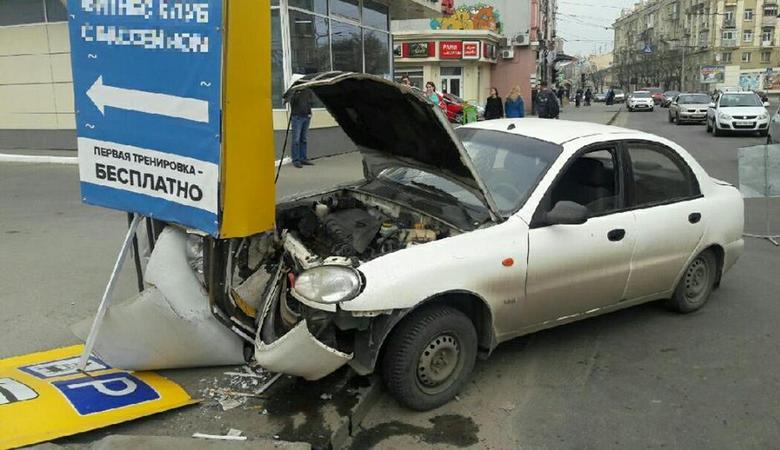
(247, 183)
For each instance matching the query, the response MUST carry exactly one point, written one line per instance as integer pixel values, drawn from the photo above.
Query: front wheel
(671, 119)
(696, 284)
(709, 128)
(769, 139)
(715, 131)
(429, 357)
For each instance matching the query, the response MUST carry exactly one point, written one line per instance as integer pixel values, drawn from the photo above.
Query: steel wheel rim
(437, 364)
(697, 279)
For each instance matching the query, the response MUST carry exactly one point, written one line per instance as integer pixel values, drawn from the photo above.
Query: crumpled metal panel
(168, 325)
(299, 353)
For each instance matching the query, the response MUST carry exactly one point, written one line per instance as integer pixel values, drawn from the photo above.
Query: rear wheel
(696, 284)
(429, 357)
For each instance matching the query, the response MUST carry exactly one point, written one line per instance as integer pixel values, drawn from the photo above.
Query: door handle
(616, 234)
(694, 217)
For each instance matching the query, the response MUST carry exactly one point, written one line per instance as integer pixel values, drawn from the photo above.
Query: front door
(574, 269)
(452, 80)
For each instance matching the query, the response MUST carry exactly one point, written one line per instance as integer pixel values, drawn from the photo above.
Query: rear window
(697, 99)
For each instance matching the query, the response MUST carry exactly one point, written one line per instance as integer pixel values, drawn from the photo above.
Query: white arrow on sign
(147, 102)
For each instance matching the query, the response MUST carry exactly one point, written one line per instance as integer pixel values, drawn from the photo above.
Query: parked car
(458, 240)
(689, 107)
(668, 97)
(656, 93)
(640, 101)
(600, 97)
(738, 112)
(620, 95)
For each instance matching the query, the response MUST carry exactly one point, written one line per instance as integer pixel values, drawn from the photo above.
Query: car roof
(550, 130)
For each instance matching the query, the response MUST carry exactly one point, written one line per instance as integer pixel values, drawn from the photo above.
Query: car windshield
(641, 95)
(740, 100)
(509, 164)
(693, 99)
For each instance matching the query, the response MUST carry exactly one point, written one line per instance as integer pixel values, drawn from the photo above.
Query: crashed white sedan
(458, 240)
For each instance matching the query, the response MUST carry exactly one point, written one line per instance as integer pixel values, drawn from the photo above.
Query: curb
(46, 159)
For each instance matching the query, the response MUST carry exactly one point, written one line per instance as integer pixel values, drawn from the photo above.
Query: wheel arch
(370, 344)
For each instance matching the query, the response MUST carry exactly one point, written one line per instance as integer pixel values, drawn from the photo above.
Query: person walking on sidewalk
(588, 96)
(494, 109)
(300, 109)
(547, 103)
(515, 105)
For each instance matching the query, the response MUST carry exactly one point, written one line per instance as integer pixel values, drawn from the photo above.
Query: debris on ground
(220, 437)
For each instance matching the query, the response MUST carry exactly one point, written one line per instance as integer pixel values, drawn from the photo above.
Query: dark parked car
(668, 98)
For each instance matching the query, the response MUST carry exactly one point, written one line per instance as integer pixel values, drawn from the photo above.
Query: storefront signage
(488, 51)
(712, 74)
(471, 49)
(450, 49)
(419, 50)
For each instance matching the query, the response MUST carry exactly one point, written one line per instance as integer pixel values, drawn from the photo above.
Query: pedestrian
(610, 97)
(547, 106)
(560, 93)
(588, 96)
(578, 97)
(406, 81)
(494, 109)
(433, 96)
(515, 105)
(300, 110)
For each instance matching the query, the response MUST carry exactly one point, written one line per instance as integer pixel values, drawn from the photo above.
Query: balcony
(729, 43)
(768, 21)
(769, 43)
(729, 23)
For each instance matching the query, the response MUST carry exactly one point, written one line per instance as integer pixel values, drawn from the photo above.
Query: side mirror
(712, 104)
(766, 104)
(567, 213)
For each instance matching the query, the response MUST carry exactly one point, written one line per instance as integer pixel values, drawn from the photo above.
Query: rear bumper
(731, 253)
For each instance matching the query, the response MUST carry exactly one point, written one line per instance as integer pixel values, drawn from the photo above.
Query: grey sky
(582, 23)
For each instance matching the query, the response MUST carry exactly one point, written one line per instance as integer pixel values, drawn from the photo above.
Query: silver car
(689, 107)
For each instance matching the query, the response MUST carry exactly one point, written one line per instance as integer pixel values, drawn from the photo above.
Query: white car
(455, 241)
(640, 101)
(737, 112)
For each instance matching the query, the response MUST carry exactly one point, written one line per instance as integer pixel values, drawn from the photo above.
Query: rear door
(667, 203)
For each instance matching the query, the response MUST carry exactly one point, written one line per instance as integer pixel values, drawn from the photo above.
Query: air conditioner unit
(522, 39)
(508, 53)
(507, 42)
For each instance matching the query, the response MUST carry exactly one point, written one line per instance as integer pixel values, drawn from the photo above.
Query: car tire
(696, 284)
(709, 128)
(677, 120)
(671, 119)
(715, 131)
(422, 347)
(763, 133)
(652, 108)
(769, 140)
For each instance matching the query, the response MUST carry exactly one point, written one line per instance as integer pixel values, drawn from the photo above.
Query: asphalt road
(640, 378)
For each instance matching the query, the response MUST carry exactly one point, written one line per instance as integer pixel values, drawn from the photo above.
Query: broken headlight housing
(328, 284)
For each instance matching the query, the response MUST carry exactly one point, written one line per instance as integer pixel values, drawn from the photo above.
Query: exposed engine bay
(352, 224)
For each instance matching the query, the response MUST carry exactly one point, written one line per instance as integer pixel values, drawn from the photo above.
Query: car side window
(658, 175)
(590, 180)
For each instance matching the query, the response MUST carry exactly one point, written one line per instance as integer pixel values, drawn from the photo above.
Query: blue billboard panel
(147, 78)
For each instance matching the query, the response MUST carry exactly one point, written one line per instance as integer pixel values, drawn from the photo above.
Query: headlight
(762, 116)
(328, 284)
(724, 116)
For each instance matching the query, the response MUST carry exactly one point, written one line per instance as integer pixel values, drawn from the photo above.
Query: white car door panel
(576, 268)
(669, 234)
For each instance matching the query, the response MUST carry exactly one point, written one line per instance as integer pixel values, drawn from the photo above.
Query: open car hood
(394, 125)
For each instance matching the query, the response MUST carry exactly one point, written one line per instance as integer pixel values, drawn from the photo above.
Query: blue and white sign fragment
(147, 81)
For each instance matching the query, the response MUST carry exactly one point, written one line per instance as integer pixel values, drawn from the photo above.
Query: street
(640, 378)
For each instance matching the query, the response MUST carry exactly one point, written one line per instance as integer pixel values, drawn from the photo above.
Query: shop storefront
(310, 36)
(457, 61)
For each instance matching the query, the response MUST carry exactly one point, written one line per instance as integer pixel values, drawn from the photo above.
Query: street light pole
(682, 70)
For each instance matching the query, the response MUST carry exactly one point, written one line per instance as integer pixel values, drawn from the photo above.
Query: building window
(309, 43)
(375, 15)
(748, 14)
(317, 6)
(346, 8)
(377, 48)
(728, 15)
(347, 47)
(770, 10)
(765, 55)
(20, 12)
(415, 75)
(766, 35)
(747, 36)
(745, 57)
(277, 61)
(728, 36)
(725, 57)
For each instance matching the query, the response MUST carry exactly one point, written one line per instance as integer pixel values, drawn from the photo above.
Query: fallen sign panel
(43, 396)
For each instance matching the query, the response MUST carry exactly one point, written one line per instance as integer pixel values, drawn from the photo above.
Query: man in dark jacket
(547, 103)
(300, 109)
